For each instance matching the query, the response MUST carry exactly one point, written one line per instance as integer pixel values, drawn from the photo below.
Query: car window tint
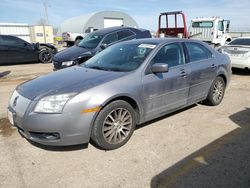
(171, 54)
(110, 38)
(197, 52)
(241, 41)
(11, 41)
(124, 34)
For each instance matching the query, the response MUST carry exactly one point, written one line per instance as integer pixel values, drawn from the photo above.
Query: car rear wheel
(114, 125)
(216, 92)
(45, 56)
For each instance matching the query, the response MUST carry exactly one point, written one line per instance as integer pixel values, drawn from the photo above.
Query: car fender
(221, 71)
(83, 57)
(120, 96)
(95, 102)
(48, 46)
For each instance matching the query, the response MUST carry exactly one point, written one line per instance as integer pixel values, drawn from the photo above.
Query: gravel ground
(199, 146)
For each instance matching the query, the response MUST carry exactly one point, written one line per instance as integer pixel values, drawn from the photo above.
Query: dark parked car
(16, 50)
(124, 85)
(94, 43)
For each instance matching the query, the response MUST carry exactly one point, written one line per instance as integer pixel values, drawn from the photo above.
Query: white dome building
(95, 21)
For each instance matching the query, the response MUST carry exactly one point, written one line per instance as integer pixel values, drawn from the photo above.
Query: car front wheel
(114, 125)
(216, 92)
(45, 56)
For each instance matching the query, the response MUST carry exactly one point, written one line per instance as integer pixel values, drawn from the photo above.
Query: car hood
(72, 80)
(71, 53)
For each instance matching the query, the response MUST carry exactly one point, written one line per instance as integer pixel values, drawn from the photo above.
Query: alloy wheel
(218, 91)
(117, 126)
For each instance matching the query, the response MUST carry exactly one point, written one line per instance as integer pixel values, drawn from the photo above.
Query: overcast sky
(145, 12)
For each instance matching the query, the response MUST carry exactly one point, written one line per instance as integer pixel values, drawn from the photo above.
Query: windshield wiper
(97, 67)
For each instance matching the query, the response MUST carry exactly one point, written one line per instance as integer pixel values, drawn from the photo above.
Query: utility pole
(46, 12)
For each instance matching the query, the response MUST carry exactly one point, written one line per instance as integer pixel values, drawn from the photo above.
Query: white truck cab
(211, 30)
(74, 38)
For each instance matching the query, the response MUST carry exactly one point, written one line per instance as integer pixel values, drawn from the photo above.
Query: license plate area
(235, 55)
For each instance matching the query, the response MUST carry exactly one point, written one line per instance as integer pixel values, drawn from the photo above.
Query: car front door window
(113, 37)
(171, 54)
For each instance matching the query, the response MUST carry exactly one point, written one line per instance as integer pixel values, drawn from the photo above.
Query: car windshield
(123, 57)
(245, 42)
(90, 41)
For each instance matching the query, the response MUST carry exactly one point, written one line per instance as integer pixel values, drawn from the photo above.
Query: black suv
(94, 43)
(16, 50)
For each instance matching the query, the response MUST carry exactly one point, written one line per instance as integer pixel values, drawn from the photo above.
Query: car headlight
(53, 103)
(68, 63)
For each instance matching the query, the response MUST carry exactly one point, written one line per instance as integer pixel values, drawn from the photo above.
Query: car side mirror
(103, 46)
(37, 46)
(159, 68)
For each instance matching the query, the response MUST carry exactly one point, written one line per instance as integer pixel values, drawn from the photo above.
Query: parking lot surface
(200, 146)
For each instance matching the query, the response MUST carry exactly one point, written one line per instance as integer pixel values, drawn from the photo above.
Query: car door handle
(183, 74)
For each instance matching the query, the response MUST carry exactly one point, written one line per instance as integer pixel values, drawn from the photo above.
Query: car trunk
(242, 52)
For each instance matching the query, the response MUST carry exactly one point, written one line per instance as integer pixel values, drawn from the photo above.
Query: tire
(45, 56)
(67, 44)
(70, 43)
(114, 125)
(216, 92)
(77, 41)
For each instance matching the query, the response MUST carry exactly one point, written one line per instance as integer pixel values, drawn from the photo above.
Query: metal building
(96, 20)
(20, 30)
(29, 33)
(42, 34)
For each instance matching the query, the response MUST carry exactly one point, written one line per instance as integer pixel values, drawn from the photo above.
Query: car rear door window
(124, 34)
(171, 54)
(241, 41)
(11, 41)
(197, 52)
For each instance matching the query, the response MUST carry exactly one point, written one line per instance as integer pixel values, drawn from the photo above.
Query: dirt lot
(199, 146)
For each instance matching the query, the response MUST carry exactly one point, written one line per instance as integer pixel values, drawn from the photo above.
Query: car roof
(8, 35)
(105, 31)
(161, 40)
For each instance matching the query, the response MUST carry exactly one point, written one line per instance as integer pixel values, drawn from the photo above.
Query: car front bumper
(50, 129)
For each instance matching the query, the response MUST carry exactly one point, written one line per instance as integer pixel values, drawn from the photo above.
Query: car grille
(19, 103)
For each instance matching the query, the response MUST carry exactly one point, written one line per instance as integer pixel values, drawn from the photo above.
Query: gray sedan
(125, 85)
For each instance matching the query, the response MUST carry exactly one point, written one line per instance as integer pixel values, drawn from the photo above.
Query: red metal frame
(172, 31)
